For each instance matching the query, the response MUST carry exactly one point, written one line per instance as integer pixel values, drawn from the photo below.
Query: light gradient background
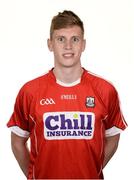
(109, 31)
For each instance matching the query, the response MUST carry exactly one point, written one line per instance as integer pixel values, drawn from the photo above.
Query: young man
(71, 116)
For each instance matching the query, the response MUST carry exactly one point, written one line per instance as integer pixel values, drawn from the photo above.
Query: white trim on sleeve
(20, 132)
(112, 131)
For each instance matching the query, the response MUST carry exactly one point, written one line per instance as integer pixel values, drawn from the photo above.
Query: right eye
(61, 39)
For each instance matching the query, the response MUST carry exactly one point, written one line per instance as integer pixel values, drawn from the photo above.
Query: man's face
(67, 45)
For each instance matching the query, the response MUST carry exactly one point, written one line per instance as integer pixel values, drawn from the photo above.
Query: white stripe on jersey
(34, 133)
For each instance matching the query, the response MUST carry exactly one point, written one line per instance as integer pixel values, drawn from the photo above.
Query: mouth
(68, 55)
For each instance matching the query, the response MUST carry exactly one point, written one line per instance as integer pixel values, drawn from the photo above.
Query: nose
(68, 45)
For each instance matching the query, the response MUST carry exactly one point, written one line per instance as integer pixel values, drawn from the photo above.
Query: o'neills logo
(68, 125)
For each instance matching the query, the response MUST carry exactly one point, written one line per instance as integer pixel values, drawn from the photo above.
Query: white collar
(68, 84)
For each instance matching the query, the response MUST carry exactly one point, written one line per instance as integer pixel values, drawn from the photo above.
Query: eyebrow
(78, 36)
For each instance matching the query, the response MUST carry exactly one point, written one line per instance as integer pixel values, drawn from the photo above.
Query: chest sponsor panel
(68, 125)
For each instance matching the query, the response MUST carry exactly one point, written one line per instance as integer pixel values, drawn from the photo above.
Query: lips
(68, 55)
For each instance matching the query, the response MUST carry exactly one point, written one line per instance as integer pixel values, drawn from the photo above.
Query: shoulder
(101, 85)
(34, 85)
(103, 89)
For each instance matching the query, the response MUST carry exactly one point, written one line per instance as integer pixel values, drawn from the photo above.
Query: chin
(69, 65)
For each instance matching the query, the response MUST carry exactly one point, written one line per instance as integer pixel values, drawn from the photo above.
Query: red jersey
(67, 125)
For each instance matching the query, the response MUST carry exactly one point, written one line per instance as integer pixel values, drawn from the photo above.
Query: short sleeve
(18, 122)
(115, 122)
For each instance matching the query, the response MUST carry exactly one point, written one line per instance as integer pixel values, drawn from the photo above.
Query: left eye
(75, 39)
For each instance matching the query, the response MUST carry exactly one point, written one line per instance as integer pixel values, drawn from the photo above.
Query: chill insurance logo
(68, 125)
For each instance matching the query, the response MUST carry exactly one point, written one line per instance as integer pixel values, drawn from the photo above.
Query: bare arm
(111, 145)
(20, 151)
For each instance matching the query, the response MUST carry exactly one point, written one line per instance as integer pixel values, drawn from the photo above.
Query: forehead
(69, 31)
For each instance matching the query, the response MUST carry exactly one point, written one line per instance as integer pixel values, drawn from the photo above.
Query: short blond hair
(65, 19)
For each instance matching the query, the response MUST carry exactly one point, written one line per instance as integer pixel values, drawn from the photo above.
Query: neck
(68, 75)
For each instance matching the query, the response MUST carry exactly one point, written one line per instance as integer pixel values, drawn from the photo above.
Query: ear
(84, 45)
(49, 44)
